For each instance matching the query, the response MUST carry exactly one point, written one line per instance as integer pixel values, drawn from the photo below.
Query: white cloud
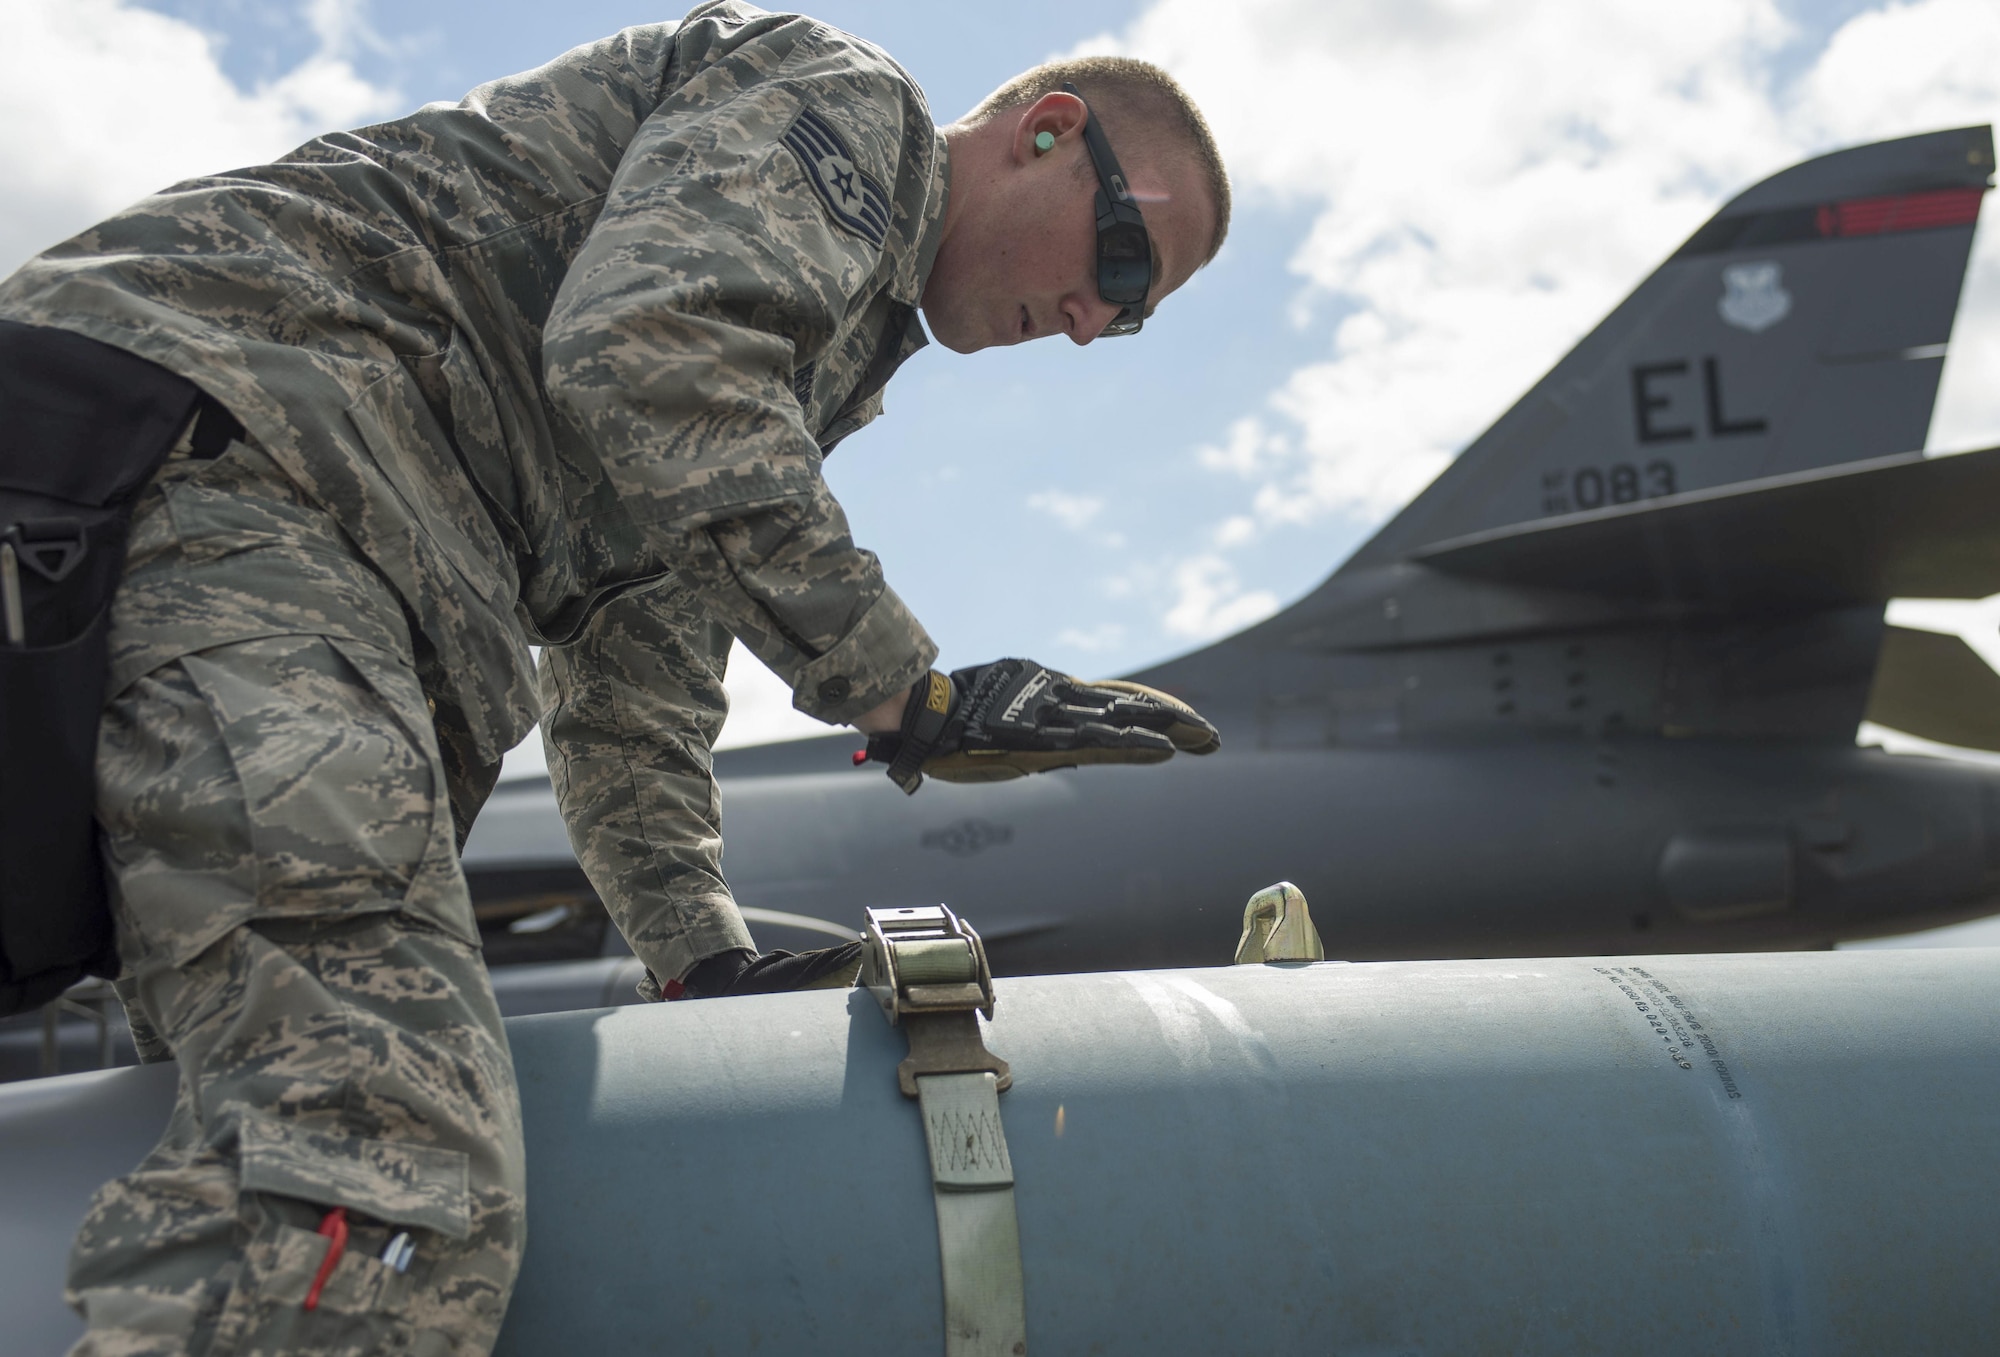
(1905, 68)
(1074, 512)
(1488, 179)
(1235, 531)
(760, 706)
(1210, 601)
(104, 102)
(1251, 450)
(1094, 640)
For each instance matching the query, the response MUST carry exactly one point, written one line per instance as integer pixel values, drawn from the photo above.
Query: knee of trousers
(357, 1068)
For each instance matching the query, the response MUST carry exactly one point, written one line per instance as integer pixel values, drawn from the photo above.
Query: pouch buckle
(51, 547)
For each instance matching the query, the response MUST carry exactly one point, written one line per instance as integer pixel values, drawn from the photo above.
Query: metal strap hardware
(928, 970)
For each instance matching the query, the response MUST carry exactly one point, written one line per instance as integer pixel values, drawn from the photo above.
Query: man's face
(1021, 262)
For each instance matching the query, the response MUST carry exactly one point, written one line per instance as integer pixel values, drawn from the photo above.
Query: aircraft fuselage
(1517, 848)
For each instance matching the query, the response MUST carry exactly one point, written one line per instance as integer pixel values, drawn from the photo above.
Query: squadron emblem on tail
(1753, 296)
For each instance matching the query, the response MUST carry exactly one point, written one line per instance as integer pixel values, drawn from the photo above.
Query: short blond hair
(1136, 102)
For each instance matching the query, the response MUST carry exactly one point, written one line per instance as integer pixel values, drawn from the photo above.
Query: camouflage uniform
(556, 365)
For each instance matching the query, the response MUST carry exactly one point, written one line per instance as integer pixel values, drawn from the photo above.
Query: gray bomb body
(1776, 1153)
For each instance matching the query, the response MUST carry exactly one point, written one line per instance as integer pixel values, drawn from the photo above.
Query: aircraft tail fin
(1803, 326)
(1689, 526)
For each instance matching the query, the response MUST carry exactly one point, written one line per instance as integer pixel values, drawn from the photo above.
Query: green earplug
(1044, 142)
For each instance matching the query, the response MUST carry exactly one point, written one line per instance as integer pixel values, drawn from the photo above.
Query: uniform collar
(908, 284)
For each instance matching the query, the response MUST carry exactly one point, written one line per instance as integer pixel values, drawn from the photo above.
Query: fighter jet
(1594, 691)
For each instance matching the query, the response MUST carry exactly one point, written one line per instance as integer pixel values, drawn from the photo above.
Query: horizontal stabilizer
(1935, 687)
(1907, 526)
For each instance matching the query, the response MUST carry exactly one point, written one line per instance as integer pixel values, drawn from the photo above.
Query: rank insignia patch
(856, 201)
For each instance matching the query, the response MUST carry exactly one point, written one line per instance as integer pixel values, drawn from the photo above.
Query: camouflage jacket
(594, 325)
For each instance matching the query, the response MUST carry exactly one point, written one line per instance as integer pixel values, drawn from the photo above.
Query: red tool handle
(334, 1226)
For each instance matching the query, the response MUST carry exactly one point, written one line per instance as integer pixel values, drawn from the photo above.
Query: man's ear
(1058, 113)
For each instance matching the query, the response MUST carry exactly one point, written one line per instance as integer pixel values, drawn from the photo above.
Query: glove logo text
(1027, 694)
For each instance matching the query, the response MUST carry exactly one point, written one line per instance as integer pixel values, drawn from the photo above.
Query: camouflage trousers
(296, 931)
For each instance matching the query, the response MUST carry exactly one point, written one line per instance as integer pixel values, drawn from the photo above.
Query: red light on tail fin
(1894, 212)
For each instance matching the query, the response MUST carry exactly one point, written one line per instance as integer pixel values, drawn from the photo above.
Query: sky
(1435, 198)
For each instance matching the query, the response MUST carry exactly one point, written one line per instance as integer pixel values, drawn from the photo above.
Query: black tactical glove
(745, 972)
(1013, 717)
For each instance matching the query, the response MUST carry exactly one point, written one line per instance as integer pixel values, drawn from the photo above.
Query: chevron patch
(855, 201)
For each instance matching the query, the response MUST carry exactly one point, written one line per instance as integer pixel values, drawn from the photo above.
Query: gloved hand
(745, 972)
(1014, 717)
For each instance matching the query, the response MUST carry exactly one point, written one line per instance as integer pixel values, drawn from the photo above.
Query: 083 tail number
(1593, 487)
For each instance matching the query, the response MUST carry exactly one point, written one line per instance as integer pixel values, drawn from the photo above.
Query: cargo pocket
(341, 795)
(290, 1176)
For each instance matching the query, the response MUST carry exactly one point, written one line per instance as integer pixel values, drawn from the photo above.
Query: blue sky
(1435, 199)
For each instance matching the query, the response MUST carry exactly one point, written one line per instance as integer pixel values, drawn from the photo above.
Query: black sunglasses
(1124, 249)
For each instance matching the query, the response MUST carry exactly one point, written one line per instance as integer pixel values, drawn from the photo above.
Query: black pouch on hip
(83, 428)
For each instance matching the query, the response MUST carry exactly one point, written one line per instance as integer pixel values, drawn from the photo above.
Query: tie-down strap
(928, 969)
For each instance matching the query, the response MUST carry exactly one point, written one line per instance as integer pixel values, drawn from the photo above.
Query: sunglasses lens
(1124, 264)
(1124, 250)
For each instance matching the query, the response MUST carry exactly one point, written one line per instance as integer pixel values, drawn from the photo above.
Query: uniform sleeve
(630, 710)
(715, 269)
